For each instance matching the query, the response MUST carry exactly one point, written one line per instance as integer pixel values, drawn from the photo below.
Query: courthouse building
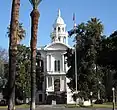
(55, 82)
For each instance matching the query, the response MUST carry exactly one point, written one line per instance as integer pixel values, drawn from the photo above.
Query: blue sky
(105, 10)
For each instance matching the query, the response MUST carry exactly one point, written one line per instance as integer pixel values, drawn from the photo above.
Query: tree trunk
(34, 28)
(13, 53)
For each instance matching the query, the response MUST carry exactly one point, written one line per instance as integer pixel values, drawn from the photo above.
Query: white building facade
(55, 82)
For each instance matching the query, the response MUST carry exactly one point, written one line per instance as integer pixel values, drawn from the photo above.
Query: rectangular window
(40, 86)
(57, 65)
(49, 81)
(40, 97)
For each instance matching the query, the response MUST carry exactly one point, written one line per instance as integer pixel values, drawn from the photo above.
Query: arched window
(59, 38)
(57, 85)
(58, 29)
(55, 65)
(63, 29)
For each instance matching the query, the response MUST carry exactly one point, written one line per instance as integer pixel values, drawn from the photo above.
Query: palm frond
(35, 3)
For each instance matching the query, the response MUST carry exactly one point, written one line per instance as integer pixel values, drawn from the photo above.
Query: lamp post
(91, 93)
(73, 31)
(113, 89)
(23, 97)
(76, 79)
(99, 90)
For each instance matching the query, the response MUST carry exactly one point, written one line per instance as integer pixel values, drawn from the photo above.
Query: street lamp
(113, 89)
(76, 79)
(99, 90)
(73, 31)
(91, 93)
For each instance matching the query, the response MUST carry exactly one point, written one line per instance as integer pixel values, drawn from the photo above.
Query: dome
(59, 19)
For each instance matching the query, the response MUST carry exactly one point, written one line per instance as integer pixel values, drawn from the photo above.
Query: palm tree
(12, 53)
(95, 28)
(34, 27)
(94, 33)
(20, 32)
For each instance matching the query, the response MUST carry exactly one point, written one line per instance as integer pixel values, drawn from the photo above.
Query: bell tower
(59, 33)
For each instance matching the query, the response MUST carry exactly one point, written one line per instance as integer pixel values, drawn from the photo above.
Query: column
(65, 66)
(65, 89)
(50, 62)
(63, 63)
(46, 82)
(47, 63)
(61, 83)
(53, 83)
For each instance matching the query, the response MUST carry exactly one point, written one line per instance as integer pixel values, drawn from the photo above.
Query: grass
(105, 105)
(72, 106)
(18, 106)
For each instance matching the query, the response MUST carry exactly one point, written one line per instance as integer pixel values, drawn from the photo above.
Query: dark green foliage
(108, 52)
(88, 38)
(23, 83)
(21, 33)
(108, 60)
(23, 70)
(96, 60)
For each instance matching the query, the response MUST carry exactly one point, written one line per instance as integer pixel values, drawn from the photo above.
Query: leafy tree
(88, 39)
(107, 59)
(22, 82)
(23, 70)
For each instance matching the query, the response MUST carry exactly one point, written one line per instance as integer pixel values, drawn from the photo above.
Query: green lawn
(18, 106)
(105, 105)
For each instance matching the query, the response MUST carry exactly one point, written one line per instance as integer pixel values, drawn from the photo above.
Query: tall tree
(34, 27)
(3, 60)
(108, 60)
(23, 82)
(13, 52)
(23, 71)
(87, 38)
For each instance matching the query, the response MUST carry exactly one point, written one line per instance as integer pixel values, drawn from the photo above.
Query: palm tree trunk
(13, 53)
(34, 28)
